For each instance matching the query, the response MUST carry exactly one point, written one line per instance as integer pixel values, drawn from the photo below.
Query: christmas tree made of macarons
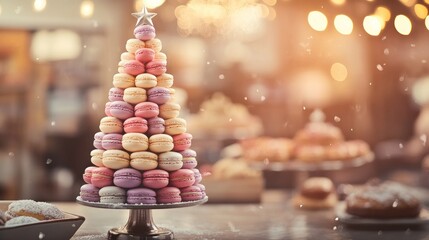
(142, 153)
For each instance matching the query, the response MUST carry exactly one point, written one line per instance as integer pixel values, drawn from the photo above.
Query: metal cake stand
(140, 225)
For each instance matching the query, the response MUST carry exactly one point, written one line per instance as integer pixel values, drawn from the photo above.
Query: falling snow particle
(208, 63)
(94, 106)
(401, 145)
(370, 84)
(95, 24)
(336, 219)
(53, 123)
(48, 161)
(230, 120)
(383, 38)
(337, 119)
(386, 51)
(351, 130)
(413, 45)
(424, 61)
(221, 76)
(263, 98)
(303, 108)
(245, 98)
(84, 46)
(73, 225)
(202, 110)
(11, 154)
(379, 67)
(41, 235)
(300, 205)
(401, 78)
(334, 228)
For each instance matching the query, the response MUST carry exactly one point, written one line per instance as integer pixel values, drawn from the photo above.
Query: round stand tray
(297, 165)
(140, 225)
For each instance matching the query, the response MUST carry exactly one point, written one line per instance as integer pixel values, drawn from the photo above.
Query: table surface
(274, 218)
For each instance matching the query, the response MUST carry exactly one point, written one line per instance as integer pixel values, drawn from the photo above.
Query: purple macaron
(112, 141)
(121, 110)
(189, 159)
(156, 125)
(116, 94)
(98, 137)
(89, 192)
(127, 178)
(158, 95)
(197, 175)
(144, 32)
(141, 196)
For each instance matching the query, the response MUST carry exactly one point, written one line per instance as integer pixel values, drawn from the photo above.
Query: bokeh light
(317, 20)
(427, 22)
(421, 11)
(343, 24)
(373, 25)
(150, 4)
(339, 72)
(383, 13)
(338, 2)
(403, 24)
(39, 5)
(87, 8)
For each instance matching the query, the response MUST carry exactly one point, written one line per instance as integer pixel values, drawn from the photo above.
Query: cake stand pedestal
(140, 225)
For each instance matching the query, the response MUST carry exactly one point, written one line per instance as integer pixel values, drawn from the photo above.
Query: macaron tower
(143, 151)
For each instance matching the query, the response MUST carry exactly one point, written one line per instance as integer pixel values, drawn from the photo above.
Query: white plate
(344, 217)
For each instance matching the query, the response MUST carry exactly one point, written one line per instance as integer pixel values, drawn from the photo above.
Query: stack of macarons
(142, 153)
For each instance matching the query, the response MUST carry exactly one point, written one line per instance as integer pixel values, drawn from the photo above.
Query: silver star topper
(144, 17)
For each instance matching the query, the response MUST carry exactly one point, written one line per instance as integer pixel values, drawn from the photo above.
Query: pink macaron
(107, 109)
(121, 110)
(133, 67)
(145, 55)
(191, 193)
(112, 141)
(144, 32)
(88, 174)
(158, 95)
(189, 159)
(116, 94)
(156, 125)
(102, 177)
(156, 67)
(135, 125)
(141, 196)
(146, 110)
(182, 141)
(89, 192)
(203, 189)
(168, 195)
(98, 137)
(182, 178)
(127, 178)
(155, 179)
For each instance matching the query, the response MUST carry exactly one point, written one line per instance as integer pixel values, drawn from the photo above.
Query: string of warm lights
(374, 23)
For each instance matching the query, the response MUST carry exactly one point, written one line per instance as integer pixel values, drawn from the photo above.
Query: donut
(383, 202)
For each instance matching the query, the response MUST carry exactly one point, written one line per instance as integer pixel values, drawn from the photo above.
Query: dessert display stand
(140, 224)
(302, 169)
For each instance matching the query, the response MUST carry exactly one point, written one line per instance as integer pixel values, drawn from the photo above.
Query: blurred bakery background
(274, 91)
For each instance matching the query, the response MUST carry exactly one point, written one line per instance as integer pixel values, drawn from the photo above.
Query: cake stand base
(140, 226)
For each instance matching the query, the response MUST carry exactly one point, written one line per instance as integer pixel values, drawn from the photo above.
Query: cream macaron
(116, 159)
(155, 44)
(134, 44)
(160, 143)
(134, 95)
(145, 80)
(165, 80)
(160, 56)
(111, 125)
(135, 142)
(174, 126)
(144, 160)
(123, 80)
(127, 56)
(170, 161)
(169, 110)
(97, 157)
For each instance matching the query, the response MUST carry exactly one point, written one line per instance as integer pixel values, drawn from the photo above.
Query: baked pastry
(320, 133)
(389, 200)
(311, 153)
(347, 150)
(272, 149)
(2, 218)
(38, 210)
(316, 193)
